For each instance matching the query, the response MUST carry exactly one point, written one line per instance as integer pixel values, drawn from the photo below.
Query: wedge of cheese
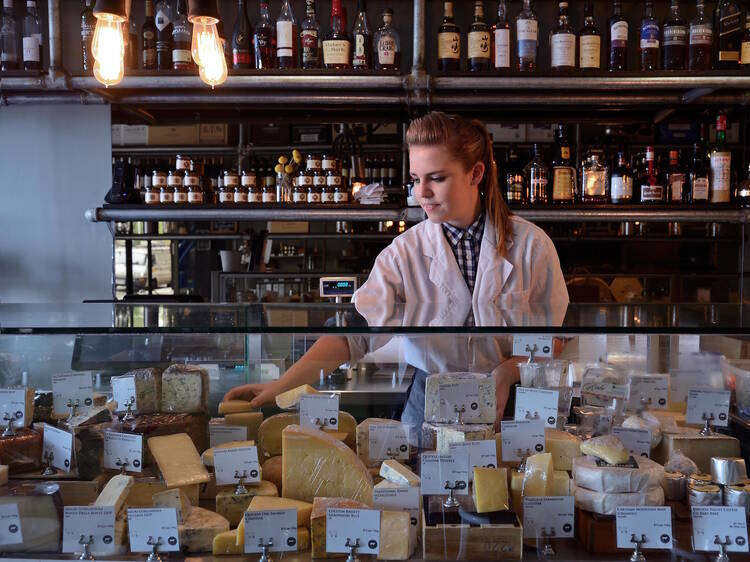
(178, 460)
(318, 523)
(177, 499)
(232, 506)
(198, 531)
(290, 399)
(269, 432)
(606, 447)
(561, 483)
(447, 434)
(303, 537)
(226, 543)
(115, 493)
(537, 479)
(235, 407)
(251, 420)
(271, 469)
(397, 542)
(490, 489)
(208, 455)
(142, 493)
(395, 472)
(563, 446)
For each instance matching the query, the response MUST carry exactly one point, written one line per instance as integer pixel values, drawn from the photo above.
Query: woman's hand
(258, 394)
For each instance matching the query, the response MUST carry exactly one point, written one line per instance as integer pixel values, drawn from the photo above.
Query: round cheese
(615, 479)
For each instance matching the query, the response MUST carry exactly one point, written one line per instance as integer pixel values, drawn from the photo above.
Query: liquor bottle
(309, 37)
(286, 37)
(701, 40)
(514, 181)
(699, 182)
(728, 26)
(449, 41)
(589, 41)
(562, 42)
(564, 179)
(618, 39)
(132, 54)
(478, 41)
(264, 40)
(241, 39)
(745, 46)
(336, 46)
(527, 35)
(226, 46)
(675, 39)
(501, 39)
(677, 188)
(387, 44)
(182, 38)
(649, 45)
(32, 38)
(8, 38)
(621, 185)
(88, 25)
(742, 193)
(148, 38)
(721, 164)
(652, 190)
(163, 20)
(537, 178)
(362, 37)
(595, 179)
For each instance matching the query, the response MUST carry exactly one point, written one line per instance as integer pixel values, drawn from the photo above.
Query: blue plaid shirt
(466, 244)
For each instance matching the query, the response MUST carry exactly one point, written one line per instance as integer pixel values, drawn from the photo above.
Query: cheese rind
(177, 499)
(490, 489)
(269, 432)
(606, 447)
(272, 470)
(395, 472)
(397, 542)
(697, 447)
(178, 460)
(563, 446)
(251, 420)
(232, 506)
(208, 455)
(226, 543)
(318, 522)
(615, 479)
(3, 474)
(487, 399)
(447, 434)
(291, 398)
(560, 483)
(537, 479)
(147, 390)
(235, 407)
(115, 493)
(198, 531)
(184, 389)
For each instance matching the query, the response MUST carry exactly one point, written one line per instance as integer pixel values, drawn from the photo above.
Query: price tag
(319, 411)
(439, 468)
(157, 524)
(707, 403)
(278, 527)
(123, 390)
(636, 441)
(76, 387)
(592, 348)
(522, 345)
(537, 403)
(403, 498)
(553, 515)
(228, 462)
(219, 434)
(521, 438)
(728, 524)
(389, 441)
(655, 387)
(480, 453)
(13, 403)
(459, 395)
(10, 524)
(59, 443)
(655, 523)
(95, 522)
(123, 448)
(353, 524)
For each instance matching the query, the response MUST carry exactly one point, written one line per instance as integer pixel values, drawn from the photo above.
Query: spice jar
(182, 163)
(340, 194)
(269, 193)
(299, 194)
(329, 163)
(255, 194)
(194, 191)
(248, 178)
(150, 191)
(333, 180)
(173, 189)
(313, 162)
(326, 195)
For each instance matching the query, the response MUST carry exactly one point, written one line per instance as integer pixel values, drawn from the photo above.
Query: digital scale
(338, 288)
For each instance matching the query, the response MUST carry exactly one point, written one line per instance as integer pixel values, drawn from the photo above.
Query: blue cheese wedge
(232, 506)
(147, 390)
(184, 389)
(436, 384)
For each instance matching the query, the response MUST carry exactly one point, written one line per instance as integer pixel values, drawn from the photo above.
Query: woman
(470, 252)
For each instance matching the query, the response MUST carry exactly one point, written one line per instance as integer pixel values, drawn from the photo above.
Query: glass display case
(434, 431)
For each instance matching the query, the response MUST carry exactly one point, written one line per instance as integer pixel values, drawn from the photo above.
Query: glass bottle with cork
(564, 178)
(148, 39)
(652, 190)
(621, 184)
(721, 164)
(514, 181)
(337, 47)
(362, 51)
(310, 38)
(286, 37)
(264, 40)
(648, 47)
(527, 38)
(32, 38)
(163, 21)
(449, 41)
(501, 38)
(701, 39)
(675, 39)
(619, 30)
(698, 177)
(478, 41)
(562, 42)
(387, 44)
(595, 179)
(182, 37)
(677, 187)
(9, 38)
(589, 41)
(242, 34)
(537, 178)
(728, 26)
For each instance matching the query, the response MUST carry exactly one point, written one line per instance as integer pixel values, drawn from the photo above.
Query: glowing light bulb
(108, 48)
(213, 71)
(205, 39)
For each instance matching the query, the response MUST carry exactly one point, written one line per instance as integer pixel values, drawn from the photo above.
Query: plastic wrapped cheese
(184, 389)
(487, 401)
(40, 509)
(615, 479)
(645, 421)
(147, 390)
(269, 432)
(678, 462)
(606, 447)
(605, 503)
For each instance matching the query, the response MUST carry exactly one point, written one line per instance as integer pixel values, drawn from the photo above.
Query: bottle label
(675, 35)
(174, 181)
(565, 152)
(300, 197)
(255, 197)
(721, 172)
(622, 187)
(594, 183)
(166, 197)
(313, 197)
(563, 182)
(340, 197)
(591, 51)
(701, 34)
(240, 196)
(269, 198)
(449, 46)
(151, 197)
(527, 33)
(319, 181)
(676, 185)
(195, 197)
(650, 35)
(360, 50)
(745, 53)
(502, 48)
(652, 192)
(181, 56)
(328, 197)
(700, 189)
(161, 19)
(240, 57)
(479, 45)
(309, 42)
(730, 23)
(30, 49)
(304, 180)
(619, 34)
(226, 197)
(159, 181)
(191, 181)
(231, 181)
(387, 51)
(149, 55)
(563, 50)
(180, 197)
(284, 38)
(336, 51)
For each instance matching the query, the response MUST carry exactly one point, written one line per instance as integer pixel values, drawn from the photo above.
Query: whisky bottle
(309, 37)
(182, 38)
(132, 56)
(564, 179)
(537, 178)
(362, 56)
(621, 184)
(286, 37)
(698, 178)
(32, 38)
(387, 44)
(652, 190)
(88, 25)
(675, 39)
(589, 41)
(264, 40)
(745, 46)
(649, 44)
(728, 26)
(163, 20)
(478, 41)
(241, 39)
(501, 39)
(618, 39)
(514, 181)
(700, 49)
(449, 41)
(8, 38)
(527, 36)
(595, 179)
(742, 193)
(337, 47)
(721, 164)
(562, 42)
(677, 188)
(148, 39)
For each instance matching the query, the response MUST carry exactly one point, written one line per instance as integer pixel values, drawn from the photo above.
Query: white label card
(522, 438)
(236, 461)
(523, 345)
(537, 403)
(278, 527)
(636, 441)
(13, 403)
(122, 448)
(480, 453)
(75, 387)
(403, 498)
(655, 387)
(456, 396)
(10, 524)
(707, 403)
(123, 390)
(59, 444)
(320, 411)
(219, 434)
(728, 524)
(389, 441)
(437, 469)
(592, 348)
(95, 523)
(361, 525)
(552, 515)
(153, 525)
(655, 523)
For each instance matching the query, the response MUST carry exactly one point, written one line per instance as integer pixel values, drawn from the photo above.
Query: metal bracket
(722, 556)
(320, 423)
(459, 414)
(123, 464)
(643, 404)
(391, 454)
(531, 350)
(637, 555)
(73, 407)
(129, 409)
(529, 416)
(352, 550)
(86, 543)
(547, 551)
(451, 500)
(707, 418)
(523, 455)
(266, 556)
(154, 544)
(49, 470)
(240, 488)
(10, 430)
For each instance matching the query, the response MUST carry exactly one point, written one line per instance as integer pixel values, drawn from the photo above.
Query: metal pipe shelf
(300, 236)
(582, 214)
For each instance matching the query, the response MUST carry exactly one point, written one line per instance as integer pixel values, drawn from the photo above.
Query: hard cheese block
(318, 523)
(226, 543)
(208, 455)
(447, 434)
(363, 440)
(178, 461)
(315, 464)
(155, 425)
(490, 489)
(232, 505)
(560, 483)
(251, 420)
(563, 447)
(198, 531)
(147, 390)
(428, 441)
(269, 433)
(537, 479)
(176, 499)
(22, 452)
(606, 447)
(696, 447)
(487, 400)
(291, 398)
(142, 492)
(616, 479)
(272, 470)
(395, 472)
(184, 389)
(397, 541)
(606, 504)
(263, 503)
(235, 407)
(40, 510)
(115, 493)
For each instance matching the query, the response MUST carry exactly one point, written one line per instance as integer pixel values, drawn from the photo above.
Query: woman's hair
(469, 142)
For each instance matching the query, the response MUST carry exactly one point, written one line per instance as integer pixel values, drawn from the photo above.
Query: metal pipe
(635, 215)
(583, 83)
(300, 100)
(551, 99)
(57, 98)
(55, 39)
(419, 31)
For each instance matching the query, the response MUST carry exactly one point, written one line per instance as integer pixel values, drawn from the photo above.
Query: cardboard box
(507, 133)
(178, 134)
(213, 133)
(288, 227)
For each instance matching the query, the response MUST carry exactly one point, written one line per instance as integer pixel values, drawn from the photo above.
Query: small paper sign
(724, 524)
(540, 346)
(276, 528)
(76, 388)
(537, 403)
(361, 525)
(551, 517)
(95, 524)
(652, 523)
(153, 525)
(713, 404)
(403, 498)
(480, 453)
(10, 524)
(123, 449)
(219, 434)
(13, 403)
(59, 444)
(320, 411)
(239, 461)
(654, 387)
(123, 390)
(521, 439)
(389, 441)
(636, 441)
(460, 397)
(439, 469)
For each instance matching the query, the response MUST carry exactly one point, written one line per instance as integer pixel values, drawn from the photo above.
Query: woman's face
(446, 191)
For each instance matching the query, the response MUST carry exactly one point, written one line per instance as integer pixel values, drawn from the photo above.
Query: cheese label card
(725, 524)
(354, 525)
(681, 382)
(320, 411)
(708, 403)
(76, 388)
(96, 524)
(653, 523)
(551, 516)
(655, 387)
(403, 498)
(459, 396)
(218, 434)
(10, 524)
(230, 464)
(276, 526)
(636, 441)
(480, 453)
(389, 441)
(541, 346)
(123, 391)
(58, 444)
(123, 449)
(155, 526)
(592, 348)
(521, 438)
(13, 403)
(537, 403)
(437, 469)
(605, 389)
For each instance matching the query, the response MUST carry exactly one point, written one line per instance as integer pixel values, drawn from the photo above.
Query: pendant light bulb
(205, 39)
(108, 49)
(213, 71)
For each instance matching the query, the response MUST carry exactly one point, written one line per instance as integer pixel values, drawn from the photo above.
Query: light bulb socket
(112, 9)
(207, 11)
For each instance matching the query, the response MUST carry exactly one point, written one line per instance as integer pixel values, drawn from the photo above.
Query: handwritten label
(521, 439)
(361, 525)
(95, 523)
(154, 524)
(653, 523)
(236, 460)
(121, 448)
(277, 527)
(320, 411)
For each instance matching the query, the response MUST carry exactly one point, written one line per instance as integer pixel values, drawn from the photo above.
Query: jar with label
(254, 194)
(305, 181)
(151, 194)
(329, 163)
(192, 183)
(340, 194)
(326, 194)
(226, 195)
(333, 179)
(158, 180)
(182, 162)
(174, 192)
(313, 162)
(299, 193)
(314, 194)
(240, 194)
(269, 193)
(248, 178)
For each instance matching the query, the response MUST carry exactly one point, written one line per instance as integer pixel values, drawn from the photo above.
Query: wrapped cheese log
(588, 474)
(605, 503)
(22, 452)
